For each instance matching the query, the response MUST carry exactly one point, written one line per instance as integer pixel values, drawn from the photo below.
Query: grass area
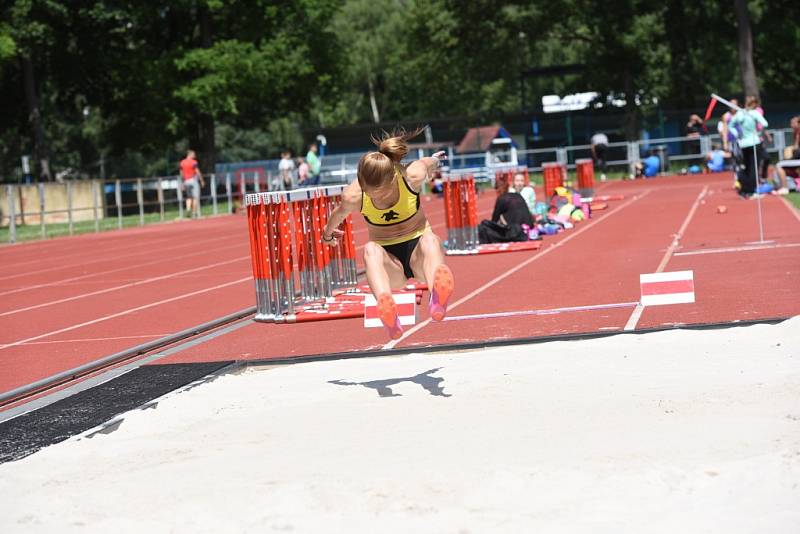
(794, 199)
(29, 232)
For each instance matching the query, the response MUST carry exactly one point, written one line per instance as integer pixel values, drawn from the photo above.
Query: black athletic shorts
(402, 251)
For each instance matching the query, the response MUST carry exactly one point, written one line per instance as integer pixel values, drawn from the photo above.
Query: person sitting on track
(715, 160)
(511, 208)
(649, 167)
(527, 191)
(789, 166)
(401, 242)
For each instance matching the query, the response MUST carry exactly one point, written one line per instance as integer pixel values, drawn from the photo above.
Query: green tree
(628, 57)
(31, 28)
(370, 32)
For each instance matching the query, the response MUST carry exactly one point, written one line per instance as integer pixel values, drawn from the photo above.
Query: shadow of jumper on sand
(431, 384)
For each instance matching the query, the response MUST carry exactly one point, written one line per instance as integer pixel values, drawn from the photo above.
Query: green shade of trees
(93, 87)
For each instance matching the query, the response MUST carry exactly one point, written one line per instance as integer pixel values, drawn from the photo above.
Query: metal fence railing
(45, 210)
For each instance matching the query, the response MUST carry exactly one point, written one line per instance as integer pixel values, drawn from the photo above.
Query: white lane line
(542, 253)
(44, 251)
(735, 249)
(84, 340)
(547, 311)
(633, 320)
(108, 257)
(170, 259)
(125, 312)
(791, 208)
(47, 253)
(123, 286)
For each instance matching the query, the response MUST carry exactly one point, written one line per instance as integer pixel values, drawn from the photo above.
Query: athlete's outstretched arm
(419, 171)
(351, 201)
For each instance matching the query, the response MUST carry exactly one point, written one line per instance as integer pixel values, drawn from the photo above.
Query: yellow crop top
(407, 206)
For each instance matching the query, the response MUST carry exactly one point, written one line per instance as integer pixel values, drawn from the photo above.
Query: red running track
(69, 301)
(72, 300)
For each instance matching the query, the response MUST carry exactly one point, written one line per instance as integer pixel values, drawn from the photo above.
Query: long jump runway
(595, 263)
(70, 301)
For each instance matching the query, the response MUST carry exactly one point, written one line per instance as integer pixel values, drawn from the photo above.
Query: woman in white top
(747, 121)
(526, 191)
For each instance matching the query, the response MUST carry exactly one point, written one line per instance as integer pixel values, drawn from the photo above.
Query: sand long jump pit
(678, 431)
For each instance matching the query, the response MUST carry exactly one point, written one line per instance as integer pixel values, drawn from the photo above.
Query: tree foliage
(125, 86)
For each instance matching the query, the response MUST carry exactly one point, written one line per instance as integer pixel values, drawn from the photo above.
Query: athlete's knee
(373, 252)
(430, 241)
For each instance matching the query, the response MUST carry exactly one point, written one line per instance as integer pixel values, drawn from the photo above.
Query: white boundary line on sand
(508, 273)
(123, 286)
(125, 312)
(633, 320)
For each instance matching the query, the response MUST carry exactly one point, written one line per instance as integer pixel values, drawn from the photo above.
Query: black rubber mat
(30, 432)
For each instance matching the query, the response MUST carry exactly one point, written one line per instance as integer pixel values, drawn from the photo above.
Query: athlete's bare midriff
(412, 226)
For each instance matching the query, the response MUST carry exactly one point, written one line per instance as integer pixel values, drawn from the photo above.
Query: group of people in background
(743, 134)
(292, 173)
(298, 172)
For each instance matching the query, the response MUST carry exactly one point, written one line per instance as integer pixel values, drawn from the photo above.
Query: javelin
(726, 102)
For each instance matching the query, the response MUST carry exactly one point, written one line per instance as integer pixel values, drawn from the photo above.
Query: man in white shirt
(599, 145)
(286, 171)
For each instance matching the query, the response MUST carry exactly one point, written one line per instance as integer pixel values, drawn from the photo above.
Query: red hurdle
(287, 250)
(584, 169)
(461, 215)
(554, 175)
(503, 179)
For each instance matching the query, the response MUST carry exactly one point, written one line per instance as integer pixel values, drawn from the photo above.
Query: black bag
(492, 232)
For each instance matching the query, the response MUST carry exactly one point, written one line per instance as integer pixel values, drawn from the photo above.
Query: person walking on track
(401, 243)
(192, 183)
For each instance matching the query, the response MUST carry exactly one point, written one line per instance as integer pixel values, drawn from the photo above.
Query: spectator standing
(192, 183)
(302, 171)
(749, 140)
(314, 164)
(286, 170)
(727, 133)
(695, 126)
(795, 124)
(599, 144)
(763, 135)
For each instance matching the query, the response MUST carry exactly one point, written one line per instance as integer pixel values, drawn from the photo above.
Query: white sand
(682, 431)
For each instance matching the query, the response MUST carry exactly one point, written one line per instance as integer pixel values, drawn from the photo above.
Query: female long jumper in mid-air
(401, 243)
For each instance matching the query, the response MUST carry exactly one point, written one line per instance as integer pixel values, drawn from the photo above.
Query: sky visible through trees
(121, 88)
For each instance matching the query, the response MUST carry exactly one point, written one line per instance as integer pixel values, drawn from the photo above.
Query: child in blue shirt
(716, 159)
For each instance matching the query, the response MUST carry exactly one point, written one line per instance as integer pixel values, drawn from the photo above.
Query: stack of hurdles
(566, 207)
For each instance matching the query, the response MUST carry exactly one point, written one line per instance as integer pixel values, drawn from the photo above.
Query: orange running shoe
(387, 311)
(442, 288)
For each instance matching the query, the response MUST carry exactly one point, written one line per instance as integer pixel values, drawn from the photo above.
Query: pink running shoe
(441, 289)
(387, 311)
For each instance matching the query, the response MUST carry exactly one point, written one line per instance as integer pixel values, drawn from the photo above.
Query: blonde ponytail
(378, 168)
(394, 145)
